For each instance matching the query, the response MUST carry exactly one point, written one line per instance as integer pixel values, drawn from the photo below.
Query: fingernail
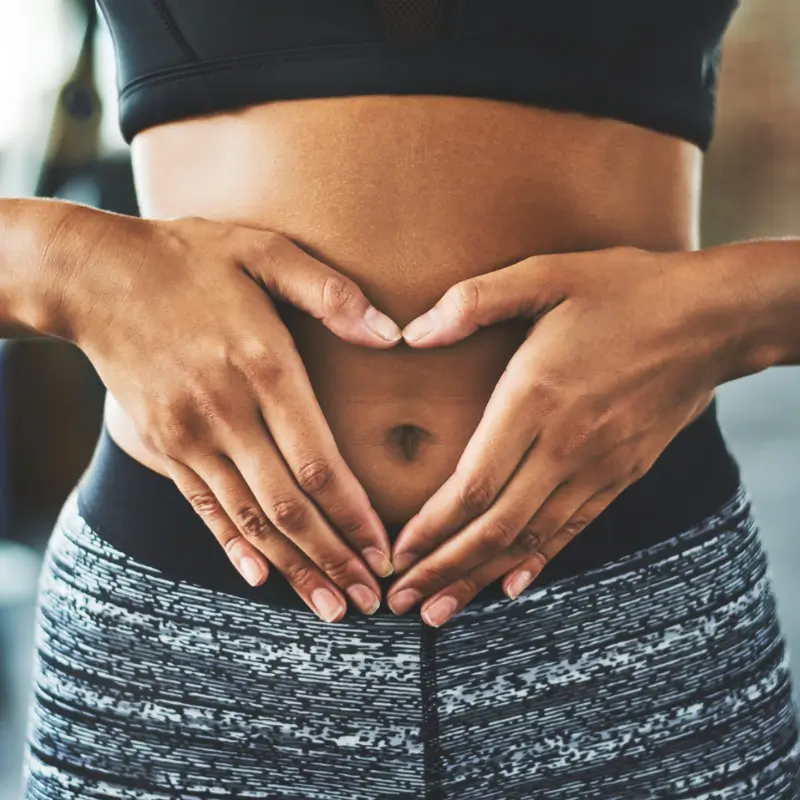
(440, 611)
(420, 327)
(327, 604)
(402, 601)
(381, 325)
(519, 583)
(378, 561)
(364, 598)
(404, 561)
(251, 570)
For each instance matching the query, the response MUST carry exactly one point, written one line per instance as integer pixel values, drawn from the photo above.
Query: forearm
(40, 247)
(763, 279)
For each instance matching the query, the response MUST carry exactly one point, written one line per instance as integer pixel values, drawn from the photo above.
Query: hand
(178, 320)
(625, 349)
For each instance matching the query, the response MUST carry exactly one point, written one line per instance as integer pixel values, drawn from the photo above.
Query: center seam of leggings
(430, 713)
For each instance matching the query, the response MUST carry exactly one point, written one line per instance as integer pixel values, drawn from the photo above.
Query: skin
(222, 398)
(575, 420)
(564, 373)
(404, 196)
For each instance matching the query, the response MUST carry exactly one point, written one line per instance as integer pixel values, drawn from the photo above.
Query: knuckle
(572, 528)
(265, 372)
(544, 397)
(289, 514)
(161, 426)
(615, 466)
(149, 437)
(300, 575)
(249, 356)
(577, 524)
(253, 523)
(469, 585)
(577, 438)
(208, 404)
(476, 494)
(351, 526)
(336, 567)
(337, 294)
(180, 429)
(205, 504)
(485, 545)
(253, 349)
(638, 470)
(496, 537)
(437, 576)
(314, 476)
(529, 539)
(177, 435)
(267, 247)
(621, 468)
(465, 298)
(164, 400)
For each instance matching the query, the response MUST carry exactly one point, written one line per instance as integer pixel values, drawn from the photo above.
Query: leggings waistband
(143, 514)
(663, 674)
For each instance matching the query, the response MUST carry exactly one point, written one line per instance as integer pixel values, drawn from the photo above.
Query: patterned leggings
(662, 674)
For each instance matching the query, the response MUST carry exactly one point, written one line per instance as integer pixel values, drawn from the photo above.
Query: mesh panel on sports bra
(411, 19)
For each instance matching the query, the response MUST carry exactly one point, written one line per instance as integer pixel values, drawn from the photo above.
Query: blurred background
(59, 137)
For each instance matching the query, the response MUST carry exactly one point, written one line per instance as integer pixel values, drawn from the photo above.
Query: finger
(289, 272)
(251, 448)
(251, 564)
(525, 289)
(524, 560)
(504, 438)
(521, 576)
(227, 495)
(521, 516)
(292, 413)
(524, 419)
(441, 606)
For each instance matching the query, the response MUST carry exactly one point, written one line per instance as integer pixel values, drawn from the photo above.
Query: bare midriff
(407, 195)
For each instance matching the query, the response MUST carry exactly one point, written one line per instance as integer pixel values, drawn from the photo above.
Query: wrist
(59, 246)
(707, 324)
(761, 280)
(41, 244)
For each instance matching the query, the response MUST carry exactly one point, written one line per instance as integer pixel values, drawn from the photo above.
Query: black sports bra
(652, 63)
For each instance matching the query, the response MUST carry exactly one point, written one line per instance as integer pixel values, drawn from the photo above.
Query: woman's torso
(409, 194)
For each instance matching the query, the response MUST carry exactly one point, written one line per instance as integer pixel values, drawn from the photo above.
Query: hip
(143, 514)
(657, 673)
(400, 418)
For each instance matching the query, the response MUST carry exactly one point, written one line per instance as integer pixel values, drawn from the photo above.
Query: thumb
(524, 289)
(293, 275)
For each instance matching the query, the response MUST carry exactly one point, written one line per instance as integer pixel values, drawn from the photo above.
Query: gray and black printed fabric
(660, 674)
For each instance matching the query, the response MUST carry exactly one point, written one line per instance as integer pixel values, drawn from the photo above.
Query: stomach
(407, 195)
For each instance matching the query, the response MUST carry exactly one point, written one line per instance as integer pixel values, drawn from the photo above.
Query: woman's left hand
(625, 349)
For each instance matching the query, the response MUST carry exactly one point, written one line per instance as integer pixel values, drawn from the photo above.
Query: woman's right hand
(177, 318)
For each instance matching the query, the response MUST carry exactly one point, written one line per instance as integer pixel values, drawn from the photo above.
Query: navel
(407, 440)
